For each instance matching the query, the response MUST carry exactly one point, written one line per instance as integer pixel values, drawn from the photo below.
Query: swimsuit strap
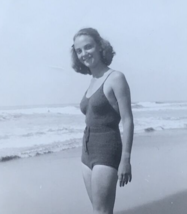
(101, 87)
(106, 78)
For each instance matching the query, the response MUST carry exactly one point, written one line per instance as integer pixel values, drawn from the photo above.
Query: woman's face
(87, 51)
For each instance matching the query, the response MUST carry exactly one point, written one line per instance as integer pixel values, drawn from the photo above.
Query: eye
(78, 51)
(88, 46)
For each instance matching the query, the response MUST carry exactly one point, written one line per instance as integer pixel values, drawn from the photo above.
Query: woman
(105, 156)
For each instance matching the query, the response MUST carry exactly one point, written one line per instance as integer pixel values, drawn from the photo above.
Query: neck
(99, 70)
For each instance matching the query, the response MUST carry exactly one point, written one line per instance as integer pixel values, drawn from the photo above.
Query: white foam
(48, 129)
(60, 110)
(156, 106)
(141, 124)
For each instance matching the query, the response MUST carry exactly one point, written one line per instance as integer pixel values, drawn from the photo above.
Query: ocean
(27, 131)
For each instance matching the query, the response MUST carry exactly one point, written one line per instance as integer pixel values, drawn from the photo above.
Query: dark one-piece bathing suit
(102, 143)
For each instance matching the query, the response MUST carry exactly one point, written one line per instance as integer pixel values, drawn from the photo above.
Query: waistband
(96, 129)
(100, 129)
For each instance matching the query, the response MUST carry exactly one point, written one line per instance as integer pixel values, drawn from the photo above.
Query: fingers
(124, 179)
(130, 177)
(121, 180)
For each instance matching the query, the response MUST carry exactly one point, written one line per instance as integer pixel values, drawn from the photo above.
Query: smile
(87, 58)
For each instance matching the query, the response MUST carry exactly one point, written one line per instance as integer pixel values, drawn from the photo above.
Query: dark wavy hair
(107, 51)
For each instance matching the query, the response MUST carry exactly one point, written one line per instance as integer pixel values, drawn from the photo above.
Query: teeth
(87, 58)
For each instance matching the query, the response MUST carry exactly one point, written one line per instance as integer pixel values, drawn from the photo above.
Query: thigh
(87, 173)
(104, 179)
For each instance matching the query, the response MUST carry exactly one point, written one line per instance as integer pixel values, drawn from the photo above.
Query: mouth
(87, 59)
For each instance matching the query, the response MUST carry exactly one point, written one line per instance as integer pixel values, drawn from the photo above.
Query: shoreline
(34, 153)
(53, 184)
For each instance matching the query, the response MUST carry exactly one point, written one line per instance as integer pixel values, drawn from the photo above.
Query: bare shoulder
(118, 80)
(117, 74)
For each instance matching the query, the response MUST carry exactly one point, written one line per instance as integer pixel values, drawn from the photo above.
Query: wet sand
(52, 184)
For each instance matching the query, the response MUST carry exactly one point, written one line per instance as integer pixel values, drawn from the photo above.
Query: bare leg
(103, 182)
(87, 173)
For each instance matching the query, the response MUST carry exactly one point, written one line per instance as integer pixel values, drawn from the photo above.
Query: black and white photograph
(93, 107)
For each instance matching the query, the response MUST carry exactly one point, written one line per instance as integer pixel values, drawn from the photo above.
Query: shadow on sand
(174, 204)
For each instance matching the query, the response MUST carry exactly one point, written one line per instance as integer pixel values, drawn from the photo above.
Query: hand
(124, 173)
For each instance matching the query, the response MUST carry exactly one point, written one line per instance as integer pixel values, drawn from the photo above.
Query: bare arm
(122, 94)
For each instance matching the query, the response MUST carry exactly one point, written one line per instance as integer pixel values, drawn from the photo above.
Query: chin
(92, 65)
(89, 65)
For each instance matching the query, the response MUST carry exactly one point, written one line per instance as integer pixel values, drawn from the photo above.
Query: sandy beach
(52, 183)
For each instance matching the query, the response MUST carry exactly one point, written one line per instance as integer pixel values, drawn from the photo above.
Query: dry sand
(52, 184)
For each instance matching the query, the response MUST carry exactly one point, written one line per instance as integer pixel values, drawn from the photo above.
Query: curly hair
(107, 51)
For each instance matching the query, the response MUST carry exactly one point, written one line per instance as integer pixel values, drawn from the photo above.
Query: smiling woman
(105, 159)
(87, 50)
(95, 43)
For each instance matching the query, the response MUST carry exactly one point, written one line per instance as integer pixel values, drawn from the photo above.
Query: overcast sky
(149, 37)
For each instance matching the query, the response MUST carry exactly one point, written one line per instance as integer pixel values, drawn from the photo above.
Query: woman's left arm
(122, 93)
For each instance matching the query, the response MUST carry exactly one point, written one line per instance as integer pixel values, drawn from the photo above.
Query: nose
(84, 53)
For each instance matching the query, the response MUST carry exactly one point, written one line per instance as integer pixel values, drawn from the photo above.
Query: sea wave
(148, 124)
(16, 113)
(43, 110)
(28, 132)
(156, 106)
(56, 146)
